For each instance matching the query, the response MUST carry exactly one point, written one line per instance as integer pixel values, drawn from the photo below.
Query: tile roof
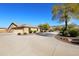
(25, 25)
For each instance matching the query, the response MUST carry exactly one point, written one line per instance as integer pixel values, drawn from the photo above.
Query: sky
(27, 13)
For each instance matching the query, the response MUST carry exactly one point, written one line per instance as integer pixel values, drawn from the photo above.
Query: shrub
(30, 31)
(34, 31)
(51, 30)
(66, 33)
(62, 32)
(45, 31)
(73, 32)
(18, 33)
(41, 31)
(24, 33)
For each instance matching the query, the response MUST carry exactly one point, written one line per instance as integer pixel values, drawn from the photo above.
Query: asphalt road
(43, 44)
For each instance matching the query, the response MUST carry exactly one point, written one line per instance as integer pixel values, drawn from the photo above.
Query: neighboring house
(56, 28)
(14, 28)
(52, 27)
(3, 30)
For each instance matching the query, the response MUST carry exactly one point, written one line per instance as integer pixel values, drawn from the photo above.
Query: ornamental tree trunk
(66, 24)
(66, 18)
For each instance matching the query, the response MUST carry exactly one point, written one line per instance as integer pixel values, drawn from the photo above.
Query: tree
(44, 26)
(65, 11)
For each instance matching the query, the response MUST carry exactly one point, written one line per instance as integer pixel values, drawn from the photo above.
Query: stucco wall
(26, 30)
(38, 30)
(17, 31)
(34, 29)
(23, 30)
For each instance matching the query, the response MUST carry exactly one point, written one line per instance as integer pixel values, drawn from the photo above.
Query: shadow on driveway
(47, 34)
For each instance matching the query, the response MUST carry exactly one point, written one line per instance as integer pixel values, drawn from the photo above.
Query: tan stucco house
(14, 28)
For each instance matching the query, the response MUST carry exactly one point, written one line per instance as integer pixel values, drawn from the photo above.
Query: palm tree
(64, 12)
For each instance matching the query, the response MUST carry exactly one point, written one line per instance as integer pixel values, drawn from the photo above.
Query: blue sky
(33, 14)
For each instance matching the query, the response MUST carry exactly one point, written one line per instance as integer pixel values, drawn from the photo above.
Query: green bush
(41, 31)
(34, 31)
(18, 33)
(45, 31)
(51, 30)
(73, 32)
(30, 31)
(66, 33)
(24, 33)
(62, 31)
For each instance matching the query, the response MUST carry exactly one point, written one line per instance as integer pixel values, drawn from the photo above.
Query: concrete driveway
(43, 44)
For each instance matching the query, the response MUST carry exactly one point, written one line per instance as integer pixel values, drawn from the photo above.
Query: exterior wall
(34, 29)
(22, 30)
(38, 30)
(3, 30)
(17, 31)
(26, 30)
